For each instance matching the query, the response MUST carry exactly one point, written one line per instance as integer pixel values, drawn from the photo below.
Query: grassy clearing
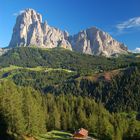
(8, 72)
(39, 68)
(59, 135)
(59, 69)
(7, 69)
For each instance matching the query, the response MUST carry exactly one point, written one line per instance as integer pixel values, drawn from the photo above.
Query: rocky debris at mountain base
(3, 50)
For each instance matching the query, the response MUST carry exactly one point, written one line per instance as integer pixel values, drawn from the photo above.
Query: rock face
(30, 30)
(93, 41)
(3, 51)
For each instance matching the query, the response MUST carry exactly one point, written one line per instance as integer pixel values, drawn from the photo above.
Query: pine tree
(57, 123)
(11, 107)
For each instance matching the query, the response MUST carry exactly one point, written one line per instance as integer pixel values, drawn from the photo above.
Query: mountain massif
(29, 30)
(94, 41)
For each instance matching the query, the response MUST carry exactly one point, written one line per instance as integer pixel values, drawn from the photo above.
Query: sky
(120, 18)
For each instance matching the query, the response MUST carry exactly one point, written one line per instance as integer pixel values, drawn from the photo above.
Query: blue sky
(120, 18)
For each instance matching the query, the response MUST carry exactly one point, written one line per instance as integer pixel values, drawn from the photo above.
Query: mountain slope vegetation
(62, 58)
(24, 110)
(58, 71)
(64, 90)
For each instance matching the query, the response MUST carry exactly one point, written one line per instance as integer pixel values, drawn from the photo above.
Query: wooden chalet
(80, 134)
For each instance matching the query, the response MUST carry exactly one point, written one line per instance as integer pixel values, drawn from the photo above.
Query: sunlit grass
(55, 135)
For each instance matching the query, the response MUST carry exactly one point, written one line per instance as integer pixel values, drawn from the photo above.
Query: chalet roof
(82, 131)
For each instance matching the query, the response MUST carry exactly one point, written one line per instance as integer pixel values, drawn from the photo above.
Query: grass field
(55, 135)
(39, 68)
(8, 72)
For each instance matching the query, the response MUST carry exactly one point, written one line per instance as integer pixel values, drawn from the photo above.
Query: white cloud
(131, 23)
(137, 50)
(18, 13)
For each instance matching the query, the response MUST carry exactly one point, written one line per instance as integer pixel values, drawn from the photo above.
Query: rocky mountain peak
(94, 41)
(31, 15)
(30, 30)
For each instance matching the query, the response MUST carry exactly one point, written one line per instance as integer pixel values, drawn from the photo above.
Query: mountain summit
(30, 30)
(96, 42)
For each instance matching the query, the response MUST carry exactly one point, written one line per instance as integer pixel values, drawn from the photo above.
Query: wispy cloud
(129, 24)
(137, 50)
(18, 13)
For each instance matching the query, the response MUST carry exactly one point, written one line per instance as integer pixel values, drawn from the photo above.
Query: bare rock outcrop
(94, 41)
(30, 30)
(3, 50)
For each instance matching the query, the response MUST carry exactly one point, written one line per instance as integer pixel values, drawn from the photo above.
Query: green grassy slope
(55, 135)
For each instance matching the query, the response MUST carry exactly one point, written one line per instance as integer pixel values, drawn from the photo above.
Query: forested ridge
(47, 89)
(62, 58)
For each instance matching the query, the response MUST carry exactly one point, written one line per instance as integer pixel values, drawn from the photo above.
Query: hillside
(57, 71)
(61, 58)
(58, 89)
(27, 111)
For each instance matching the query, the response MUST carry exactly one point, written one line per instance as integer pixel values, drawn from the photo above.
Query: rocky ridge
(29, 30)
(94, 41)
